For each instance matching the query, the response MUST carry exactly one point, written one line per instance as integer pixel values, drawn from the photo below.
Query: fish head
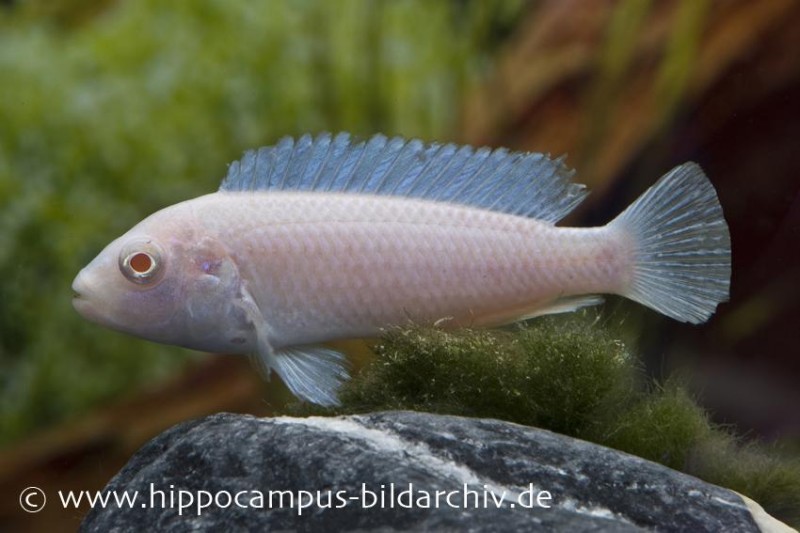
(168, 281)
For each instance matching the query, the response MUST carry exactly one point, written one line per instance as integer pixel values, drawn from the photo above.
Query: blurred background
(112, 109)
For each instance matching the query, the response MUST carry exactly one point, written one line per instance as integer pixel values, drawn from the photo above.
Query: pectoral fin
(312, 373)
(264, 358)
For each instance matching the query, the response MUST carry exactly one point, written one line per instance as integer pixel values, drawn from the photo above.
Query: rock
(511, 478)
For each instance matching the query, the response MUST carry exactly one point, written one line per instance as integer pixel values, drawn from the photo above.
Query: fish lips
(82, 299)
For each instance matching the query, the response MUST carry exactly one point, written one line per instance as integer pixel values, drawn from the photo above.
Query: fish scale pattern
(327, 266)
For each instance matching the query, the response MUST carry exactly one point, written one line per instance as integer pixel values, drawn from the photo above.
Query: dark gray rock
(592, 488)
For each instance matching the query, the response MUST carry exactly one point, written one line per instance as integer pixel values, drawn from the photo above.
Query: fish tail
(681, 250)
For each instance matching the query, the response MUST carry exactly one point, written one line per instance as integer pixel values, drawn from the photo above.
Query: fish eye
(141, 262)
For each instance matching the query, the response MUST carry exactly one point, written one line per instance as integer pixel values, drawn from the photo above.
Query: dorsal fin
(526, 184)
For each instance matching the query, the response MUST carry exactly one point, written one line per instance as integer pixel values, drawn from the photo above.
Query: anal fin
(312, 373)
(565, 304)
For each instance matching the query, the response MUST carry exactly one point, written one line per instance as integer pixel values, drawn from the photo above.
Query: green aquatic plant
(770, 475)
(662, 423)
(573, 375)
(548, 376)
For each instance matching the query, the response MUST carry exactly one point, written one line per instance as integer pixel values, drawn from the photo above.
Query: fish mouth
(78, 287)
(78, 301)
(80, 297)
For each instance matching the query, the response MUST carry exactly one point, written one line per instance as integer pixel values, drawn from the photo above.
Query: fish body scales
(324, 266)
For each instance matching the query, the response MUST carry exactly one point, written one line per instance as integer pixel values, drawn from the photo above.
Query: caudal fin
(681, 246)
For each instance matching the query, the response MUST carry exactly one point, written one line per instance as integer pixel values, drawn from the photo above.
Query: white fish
(327, 238)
